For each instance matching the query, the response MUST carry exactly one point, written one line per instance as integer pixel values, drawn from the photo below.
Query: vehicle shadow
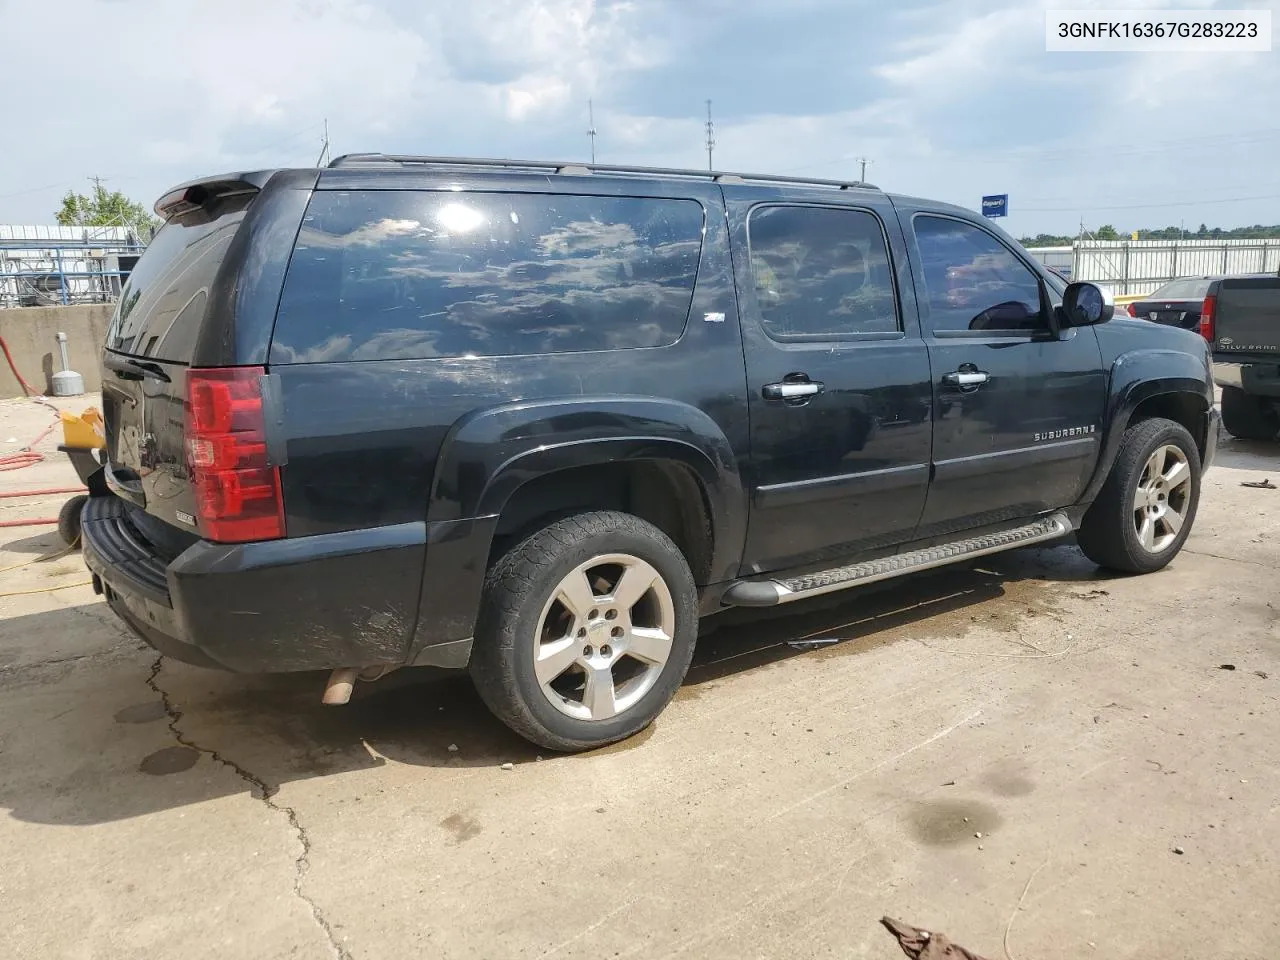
(274, 727)
(44, 543)
(1248, 454)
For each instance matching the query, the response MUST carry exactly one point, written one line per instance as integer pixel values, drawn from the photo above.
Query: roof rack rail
(572, 168)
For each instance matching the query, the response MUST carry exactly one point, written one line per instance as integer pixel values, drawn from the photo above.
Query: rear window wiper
(131, 368)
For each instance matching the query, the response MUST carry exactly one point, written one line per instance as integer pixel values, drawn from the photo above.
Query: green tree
(1107, 232)
(103, 208)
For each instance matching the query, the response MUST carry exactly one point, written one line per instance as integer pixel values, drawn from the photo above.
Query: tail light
(237, 489)
(1206, 316)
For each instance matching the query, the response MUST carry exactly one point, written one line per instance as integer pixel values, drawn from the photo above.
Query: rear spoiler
(200, 194)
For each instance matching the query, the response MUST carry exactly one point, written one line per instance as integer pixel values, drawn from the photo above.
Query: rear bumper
(342, 599)
(1259, 379)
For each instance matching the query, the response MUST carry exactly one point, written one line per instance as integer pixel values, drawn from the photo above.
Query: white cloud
(949, 99)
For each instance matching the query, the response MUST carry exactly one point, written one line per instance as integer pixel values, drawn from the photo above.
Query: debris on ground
(922, 945)
(453, 748)
(1179, 851)
(508, 766)
(814, 643)
(1226, 666)
(1263, 484)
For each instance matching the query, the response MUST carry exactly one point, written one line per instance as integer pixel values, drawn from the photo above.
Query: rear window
(162, 304)
(1188, 289)
(380, 275)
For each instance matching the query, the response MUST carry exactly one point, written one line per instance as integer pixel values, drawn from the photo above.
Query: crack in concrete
(264, 792)
(22, 669)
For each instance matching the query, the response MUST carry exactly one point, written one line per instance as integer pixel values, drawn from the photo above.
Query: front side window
(399, 274)
(974, 282)
(821, 272)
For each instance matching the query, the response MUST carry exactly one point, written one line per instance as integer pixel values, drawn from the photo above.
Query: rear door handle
(965, 378)
(791, 390)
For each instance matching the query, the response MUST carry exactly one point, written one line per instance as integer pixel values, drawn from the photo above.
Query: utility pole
(591, 128)
(862, 178)
(324, 150)
(711, 137)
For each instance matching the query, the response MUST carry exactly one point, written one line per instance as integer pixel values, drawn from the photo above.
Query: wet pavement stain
(1009, 779)
(622, 745)
(462, 827)
(689, 692)
(948, 822)
(169, 760)
(141, 713)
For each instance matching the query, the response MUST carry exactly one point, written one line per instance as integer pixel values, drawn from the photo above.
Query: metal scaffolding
(52, 265)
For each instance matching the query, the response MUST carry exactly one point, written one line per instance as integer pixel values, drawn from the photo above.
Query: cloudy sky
(949, 99)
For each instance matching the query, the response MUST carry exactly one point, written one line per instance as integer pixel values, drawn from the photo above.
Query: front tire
(1248, 417)
(1143, 515)
(586, 631)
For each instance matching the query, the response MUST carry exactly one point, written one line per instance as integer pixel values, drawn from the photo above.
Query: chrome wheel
(604, 637)
(1162, 499)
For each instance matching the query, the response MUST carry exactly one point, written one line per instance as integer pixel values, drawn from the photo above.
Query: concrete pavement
(1083, 726)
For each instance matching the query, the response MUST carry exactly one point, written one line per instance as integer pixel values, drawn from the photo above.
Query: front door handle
(965, 378)
(791, 390)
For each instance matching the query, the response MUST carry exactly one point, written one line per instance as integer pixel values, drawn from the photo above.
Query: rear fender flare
(490, 454)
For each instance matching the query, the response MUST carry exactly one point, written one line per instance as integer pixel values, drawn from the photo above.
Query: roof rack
(586, 169)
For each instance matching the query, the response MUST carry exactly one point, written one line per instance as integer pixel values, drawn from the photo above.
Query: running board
(767, 593)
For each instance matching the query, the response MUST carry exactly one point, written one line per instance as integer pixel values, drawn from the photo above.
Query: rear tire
(1148, 503)
(586, 631)
(1248, 417)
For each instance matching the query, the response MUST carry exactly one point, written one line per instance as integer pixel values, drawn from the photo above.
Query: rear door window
(162, 305)
(821, 272)
(379, 275)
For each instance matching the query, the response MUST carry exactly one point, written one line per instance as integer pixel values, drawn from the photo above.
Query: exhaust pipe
(337, 690)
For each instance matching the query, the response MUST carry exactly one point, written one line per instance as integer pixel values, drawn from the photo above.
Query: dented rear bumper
(304, 603)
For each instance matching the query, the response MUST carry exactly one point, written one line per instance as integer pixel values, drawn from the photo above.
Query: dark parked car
(534, 420)
(1176, 304)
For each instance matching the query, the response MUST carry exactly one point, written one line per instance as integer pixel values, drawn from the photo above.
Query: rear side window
(380, 275)
(821, 272)
(162, 304)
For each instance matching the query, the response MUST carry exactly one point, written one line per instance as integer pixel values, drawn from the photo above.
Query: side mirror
(1084, 304)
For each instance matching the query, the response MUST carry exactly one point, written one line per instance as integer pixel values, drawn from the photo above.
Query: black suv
(536, 419)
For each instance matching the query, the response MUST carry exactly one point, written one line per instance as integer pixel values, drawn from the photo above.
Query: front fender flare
(1137, 376)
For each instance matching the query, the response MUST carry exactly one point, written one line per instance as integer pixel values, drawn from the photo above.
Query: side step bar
(767, 593)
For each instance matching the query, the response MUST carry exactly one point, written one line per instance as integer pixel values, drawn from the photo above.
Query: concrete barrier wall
(31, 333)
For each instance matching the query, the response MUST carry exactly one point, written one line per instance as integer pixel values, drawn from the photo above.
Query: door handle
(965, 378)
(791, 390)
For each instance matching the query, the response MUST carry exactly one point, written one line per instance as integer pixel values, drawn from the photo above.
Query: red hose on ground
(25, 457)
(31, 391)
(43, 491)
(28, 523)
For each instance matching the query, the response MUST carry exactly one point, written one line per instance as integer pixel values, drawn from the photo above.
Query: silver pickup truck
(1241, 320)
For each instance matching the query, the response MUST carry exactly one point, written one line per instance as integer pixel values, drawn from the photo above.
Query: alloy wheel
(604, 636)
(1162, 499)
